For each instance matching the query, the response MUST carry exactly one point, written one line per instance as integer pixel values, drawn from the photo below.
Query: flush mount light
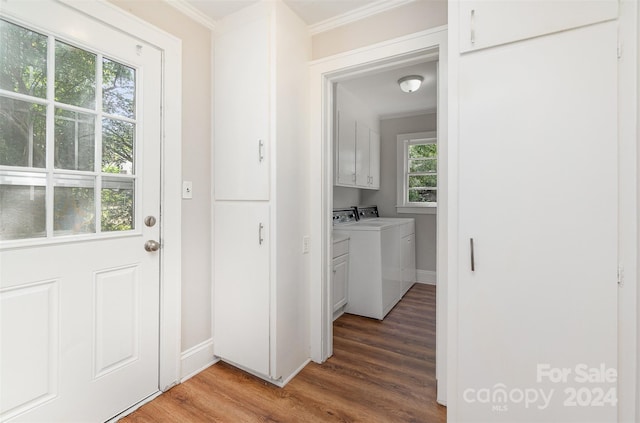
(410, 83)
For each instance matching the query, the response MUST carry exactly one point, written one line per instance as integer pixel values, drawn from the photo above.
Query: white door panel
(241, 113)
(79, 305)
(538, 195)
(491, 23)
(362, 154)
(241, 284)
(346, 146)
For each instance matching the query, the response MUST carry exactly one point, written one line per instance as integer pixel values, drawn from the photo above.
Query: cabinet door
(374, 159)
(241, 116)
(543, 220)
(339, 281)
(241, 285)
(346, 149)
(491, 23)
(362, 155)
(408, 262)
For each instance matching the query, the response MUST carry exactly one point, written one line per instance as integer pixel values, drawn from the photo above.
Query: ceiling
(383, 95)
(310, 11)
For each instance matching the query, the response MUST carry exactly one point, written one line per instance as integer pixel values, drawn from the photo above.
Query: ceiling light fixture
(410, 83)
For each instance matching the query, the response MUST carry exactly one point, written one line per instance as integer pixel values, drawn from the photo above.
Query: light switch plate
(187, 189)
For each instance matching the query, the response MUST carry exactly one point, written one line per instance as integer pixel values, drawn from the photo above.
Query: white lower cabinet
(408, 257)
(241, 306)
(340, 276)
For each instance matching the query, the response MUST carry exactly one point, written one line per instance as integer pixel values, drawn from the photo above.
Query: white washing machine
(376, 271)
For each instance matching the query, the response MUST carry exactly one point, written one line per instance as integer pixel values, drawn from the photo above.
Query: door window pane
(118, 89)
(75, 76)
(74, 140)
(117, 146)
(23, 60)
(22, 133)
(117, 205)
(73, 206)
(22, 212)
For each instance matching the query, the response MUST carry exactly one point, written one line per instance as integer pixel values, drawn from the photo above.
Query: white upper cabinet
(374, 159)
(363, 178)
(491, 23)
(241, 111)
(357, 144)
(346, 148)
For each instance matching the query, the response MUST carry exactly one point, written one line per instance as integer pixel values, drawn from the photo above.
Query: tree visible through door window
(67, 138)
(417, 171)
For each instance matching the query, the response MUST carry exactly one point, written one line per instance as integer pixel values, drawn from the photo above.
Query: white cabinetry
(340, 275)
(408, 258)
(259, 291)
(346, 149)
(491, 23)
(357, 148)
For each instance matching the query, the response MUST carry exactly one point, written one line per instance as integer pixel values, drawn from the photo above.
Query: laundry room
(386, 166)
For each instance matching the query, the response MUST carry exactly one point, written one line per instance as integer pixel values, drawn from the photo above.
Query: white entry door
(537, 302)
(79, 173)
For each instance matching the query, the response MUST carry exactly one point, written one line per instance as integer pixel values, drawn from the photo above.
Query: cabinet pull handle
(473, 27)
(260, 239)
(473, 260)
(353, 177)
(260, 148)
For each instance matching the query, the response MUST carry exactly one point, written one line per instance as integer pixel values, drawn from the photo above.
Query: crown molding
(192, 12)
(379, 6)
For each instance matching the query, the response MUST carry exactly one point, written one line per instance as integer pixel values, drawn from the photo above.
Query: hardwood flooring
(380, 372)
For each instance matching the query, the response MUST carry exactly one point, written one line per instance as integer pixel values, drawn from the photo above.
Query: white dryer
(375, 263)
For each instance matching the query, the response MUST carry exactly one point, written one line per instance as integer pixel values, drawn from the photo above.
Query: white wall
(196, 165)
(408, 19)
(385, 198)
(345, 197)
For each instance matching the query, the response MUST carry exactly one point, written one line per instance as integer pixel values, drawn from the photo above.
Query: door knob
(152, 245)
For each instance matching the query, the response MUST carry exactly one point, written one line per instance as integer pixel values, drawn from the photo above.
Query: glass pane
(423, 181)
(73, 210)
(75, 76)
(117, 205)
(423, 151)
(117, 146)
(118, 89)
(423, 196)
(74, 140)
(23, 212)
(23, 60)
(22, 133)
(424, 165)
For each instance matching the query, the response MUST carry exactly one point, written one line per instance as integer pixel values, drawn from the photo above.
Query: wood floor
(380, 372)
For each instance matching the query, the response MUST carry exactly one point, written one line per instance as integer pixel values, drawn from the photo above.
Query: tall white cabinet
(514, 260)
(260, 298)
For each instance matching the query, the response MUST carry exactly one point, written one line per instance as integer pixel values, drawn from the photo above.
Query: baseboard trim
(298, 370)
(426, 276)
(196, 359)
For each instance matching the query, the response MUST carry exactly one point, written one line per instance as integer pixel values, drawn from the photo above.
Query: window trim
(403, 141)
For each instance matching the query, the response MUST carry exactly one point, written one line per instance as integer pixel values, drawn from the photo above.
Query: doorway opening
(426, 48)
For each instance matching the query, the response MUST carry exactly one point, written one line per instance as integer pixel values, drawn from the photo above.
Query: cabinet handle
(260, 147)
(473, 27)
(260, 239)
(353, 177)
(473, 261)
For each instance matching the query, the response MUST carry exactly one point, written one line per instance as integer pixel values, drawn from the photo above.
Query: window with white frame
(417, 173)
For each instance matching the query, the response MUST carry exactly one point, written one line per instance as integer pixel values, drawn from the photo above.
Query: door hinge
(620, 276)
(619, 50)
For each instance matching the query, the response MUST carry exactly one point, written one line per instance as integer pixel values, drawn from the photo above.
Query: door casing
(405, 50)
